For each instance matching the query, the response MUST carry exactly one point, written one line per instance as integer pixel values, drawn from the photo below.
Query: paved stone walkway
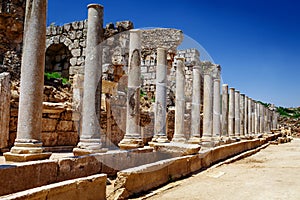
(272, 173)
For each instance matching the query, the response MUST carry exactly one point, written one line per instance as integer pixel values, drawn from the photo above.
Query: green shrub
(56, 75)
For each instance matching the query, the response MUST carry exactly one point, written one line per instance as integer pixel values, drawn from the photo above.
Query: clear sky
(256, 42)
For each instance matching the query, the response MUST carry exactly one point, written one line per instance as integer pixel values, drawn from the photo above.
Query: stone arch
(58, 59)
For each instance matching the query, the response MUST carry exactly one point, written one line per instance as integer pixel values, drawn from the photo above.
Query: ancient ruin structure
(125, 83)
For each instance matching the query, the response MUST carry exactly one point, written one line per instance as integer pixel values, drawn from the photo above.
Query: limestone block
(179, 168)
(76, 52)
(49, 125)
(92, 188)
(67, 138)
(73, 61)
(13, 124)
(49, 138)
(75, 167)
(18, 177)
(65, 126)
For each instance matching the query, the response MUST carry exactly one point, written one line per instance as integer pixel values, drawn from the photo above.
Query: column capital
(94, 5)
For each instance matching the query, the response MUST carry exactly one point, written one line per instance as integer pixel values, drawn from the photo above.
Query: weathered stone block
(65, 126)
(49, 139)
(67, 138)
(49, 125)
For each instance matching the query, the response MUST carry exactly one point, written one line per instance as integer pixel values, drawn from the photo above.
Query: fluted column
(160, 134)
(253, 116)
(256, 118)
(90, 138)
(133, 138)
(180, 102)
(231, 118)
(225, 110)
(237, 124)
(216, 109)
(261, 119)
(196, 106)
(28, 145)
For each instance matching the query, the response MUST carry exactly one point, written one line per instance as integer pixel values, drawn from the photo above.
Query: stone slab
(91, 188)
(26, 157)
(178, 149)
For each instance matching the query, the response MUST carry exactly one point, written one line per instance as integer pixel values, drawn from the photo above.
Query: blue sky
(257, 43)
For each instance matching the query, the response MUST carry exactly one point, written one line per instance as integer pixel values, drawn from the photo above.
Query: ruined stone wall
(12, 14)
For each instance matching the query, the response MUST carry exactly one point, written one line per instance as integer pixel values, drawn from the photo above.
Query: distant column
(253, 116)
(28, 145)
(196, 105)
(256, 118)
(90, 138)
(246, 117)
(225, 110)
(262, 118)
(237, 124)
(180, 102)
(249, 116)
(160, 134)
(133, 138)
(275, 120)
(207, 105)
(242, 114)
(216, 109)
(231, 118)
(265, 120)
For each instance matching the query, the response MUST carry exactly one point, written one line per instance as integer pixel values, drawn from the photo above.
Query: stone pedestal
(133, 138)
(90, 138)
(196, 106)
(180, 102)
(231, 118)
(161, 98)
(27, 144)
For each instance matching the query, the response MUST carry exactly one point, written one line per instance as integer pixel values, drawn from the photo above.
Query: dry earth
(272, 173)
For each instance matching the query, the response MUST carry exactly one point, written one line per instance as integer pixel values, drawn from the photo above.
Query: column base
(210, 142)
(158, 139)
(82, 152)
(178, 140)
(194, 140)
(26, 150)
(15, 157)
(127, 144)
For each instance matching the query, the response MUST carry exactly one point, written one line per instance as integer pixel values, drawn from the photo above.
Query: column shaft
(237, 123)
(231, 118)
(225, 110)
(132, 138)
(249, 116)
(160, 134)
(196, 106)
(242, 114)
(90, 138)
(180, 102)
(207, 107)
(29, 129)
(216, 108)
(246, 117)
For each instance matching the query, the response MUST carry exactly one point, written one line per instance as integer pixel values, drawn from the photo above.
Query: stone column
(249, 116)
(132, 138)
(207, 106)
(237, 123)
(246, 117)
(90, 138)
(242, 114)
(256, 118)
(160, 134)
(268, 120)
(261, 119)
(275, 120)
(231, 118)
(180, 102)
(253, 116)
(28, 145)
(216, 109)
(196, 106)
(265, 120)
(4, 109)
(225, 110)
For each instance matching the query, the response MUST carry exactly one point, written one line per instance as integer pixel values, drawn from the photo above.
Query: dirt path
(272, 173)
